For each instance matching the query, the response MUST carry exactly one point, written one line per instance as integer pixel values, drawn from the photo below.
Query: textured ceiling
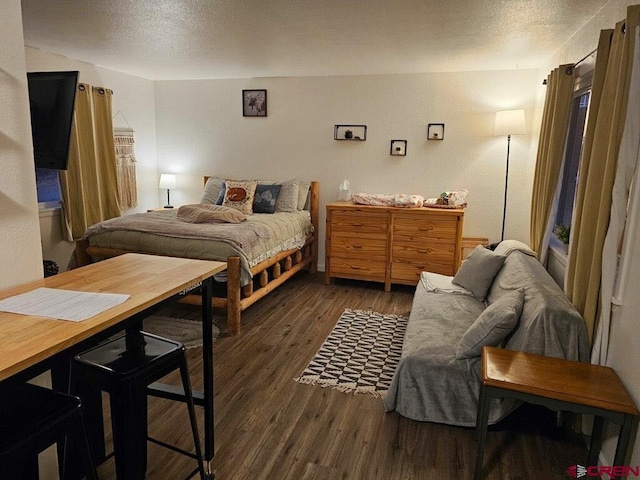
(190, 39)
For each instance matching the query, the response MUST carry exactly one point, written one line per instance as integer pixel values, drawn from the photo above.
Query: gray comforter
(430, 384)
(256, 239)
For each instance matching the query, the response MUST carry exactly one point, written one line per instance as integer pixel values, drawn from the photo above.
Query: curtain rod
(570, 68)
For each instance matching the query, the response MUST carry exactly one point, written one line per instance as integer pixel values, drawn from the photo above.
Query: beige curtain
(89, 185)
(553, 135)
(605, 125)
(126, 168)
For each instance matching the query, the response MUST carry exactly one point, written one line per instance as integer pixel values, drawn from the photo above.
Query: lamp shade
(168, 181)
(509, 122)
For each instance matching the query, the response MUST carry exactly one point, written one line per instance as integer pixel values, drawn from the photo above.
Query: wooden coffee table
(558, 385)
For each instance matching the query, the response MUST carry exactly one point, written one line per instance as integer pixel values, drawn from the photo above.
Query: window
(572, 154)
(573, 151)
(48, 187)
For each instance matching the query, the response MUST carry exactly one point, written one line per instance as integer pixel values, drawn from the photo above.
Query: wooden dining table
(31, 344)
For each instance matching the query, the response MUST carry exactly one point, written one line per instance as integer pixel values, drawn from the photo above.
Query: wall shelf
(354, 133)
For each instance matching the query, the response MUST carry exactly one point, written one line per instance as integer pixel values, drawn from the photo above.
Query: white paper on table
(61, 304)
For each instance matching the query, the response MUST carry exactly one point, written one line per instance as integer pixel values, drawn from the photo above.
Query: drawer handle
(425, 229)
(357, 224)
(357, 246)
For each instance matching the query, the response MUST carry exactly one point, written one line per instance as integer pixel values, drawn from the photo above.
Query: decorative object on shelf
(398, 148)
(168, 181)
(508, 122)
(254, 103)
(350, 132)
(435, 131)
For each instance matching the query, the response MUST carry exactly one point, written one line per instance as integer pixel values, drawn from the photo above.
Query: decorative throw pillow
(477, 272)
(265, 198)
(492, 326)
(303, 193)
(239, 195)
(211, 190)
(288, 198)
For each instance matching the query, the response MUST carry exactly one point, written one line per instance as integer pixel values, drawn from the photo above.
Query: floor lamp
(508, 122)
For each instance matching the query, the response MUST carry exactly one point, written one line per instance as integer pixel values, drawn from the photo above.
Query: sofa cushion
(492, 326)
(477, 272)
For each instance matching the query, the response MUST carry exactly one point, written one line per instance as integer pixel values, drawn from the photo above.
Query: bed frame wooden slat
(285, 265)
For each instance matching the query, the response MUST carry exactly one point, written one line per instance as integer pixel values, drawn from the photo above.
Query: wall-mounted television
(52, 99)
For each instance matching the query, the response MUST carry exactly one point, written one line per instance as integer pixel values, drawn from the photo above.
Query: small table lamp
(168, 181)
(508, 122)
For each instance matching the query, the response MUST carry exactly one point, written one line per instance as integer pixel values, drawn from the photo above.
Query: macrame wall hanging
(126, 165)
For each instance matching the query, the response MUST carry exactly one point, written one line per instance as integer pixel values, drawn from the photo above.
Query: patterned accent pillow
(239, 195)
(265, 198)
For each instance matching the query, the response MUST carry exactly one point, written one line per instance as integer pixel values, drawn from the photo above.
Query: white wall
(20, 255)
(20, 252)
(133, 106)
(201, 131)
(624, 355)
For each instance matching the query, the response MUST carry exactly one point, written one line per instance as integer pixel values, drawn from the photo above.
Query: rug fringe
(340, 388)
(371, 312)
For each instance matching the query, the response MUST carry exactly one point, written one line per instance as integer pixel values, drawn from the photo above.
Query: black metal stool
(124, 367)
(33, 418)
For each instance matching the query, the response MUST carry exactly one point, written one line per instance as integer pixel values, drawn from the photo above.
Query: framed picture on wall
(254, 103)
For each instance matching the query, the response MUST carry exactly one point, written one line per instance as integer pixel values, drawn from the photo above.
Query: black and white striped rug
(360, 354)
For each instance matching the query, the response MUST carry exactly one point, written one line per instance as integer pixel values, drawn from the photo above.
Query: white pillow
(303, 193)
(211, 190)
(287, 200)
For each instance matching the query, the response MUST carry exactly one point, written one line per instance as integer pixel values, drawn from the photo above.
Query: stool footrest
(174, 392)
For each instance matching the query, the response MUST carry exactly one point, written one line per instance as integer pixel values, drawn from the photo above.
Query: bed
(262, 252)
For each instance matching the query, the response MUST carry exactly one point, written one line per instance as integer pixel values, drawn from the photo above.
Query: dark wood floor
(269, 427)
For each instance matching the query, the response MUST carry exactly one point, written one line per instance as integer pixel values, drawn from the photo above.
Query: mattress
(258, 238)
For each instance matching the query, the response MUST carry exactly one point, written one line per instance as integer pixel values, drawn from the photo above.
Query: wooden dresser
(391, 245)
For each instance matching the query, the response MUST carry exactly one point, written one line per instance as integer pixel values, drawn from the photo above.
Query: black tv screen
(52, 99)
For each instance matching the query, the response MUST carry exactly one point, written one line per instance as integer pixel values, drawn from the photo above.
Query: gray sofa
(431, 384)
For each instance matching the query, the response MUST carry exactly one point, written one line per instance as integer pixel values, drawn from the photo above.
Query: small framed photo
(398, 148)
(254, 103)
(435, 131)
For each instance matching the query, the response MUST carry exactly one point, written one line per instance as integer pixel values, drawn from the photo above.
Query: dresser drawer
(410, 229)
(358, 268)
(424, 251)
(371, 246)
(359, 222)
